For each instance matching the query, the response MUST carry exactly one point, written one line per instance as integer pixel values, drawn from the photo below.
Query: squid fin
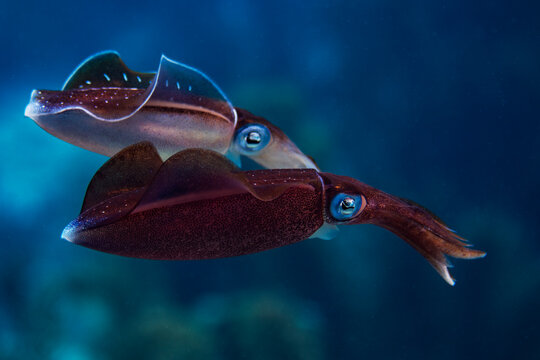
(106, 69)
(195, 174)
(181, 86)
(174, 85)
(131, 168)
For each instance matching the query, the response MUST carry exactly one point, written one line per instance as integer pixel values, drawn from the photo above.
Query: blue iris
(345, 206)
(252, 138)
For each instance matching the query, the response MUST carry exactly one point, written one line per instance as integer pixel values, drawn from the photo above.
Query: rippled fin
(197, 174)
(104, 70)
(174, 85)
(131, 168)
(180, 86)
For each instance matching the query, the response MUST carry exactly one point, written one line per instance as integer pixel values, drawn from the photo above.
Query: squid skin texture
(224, 226)
(198, 205)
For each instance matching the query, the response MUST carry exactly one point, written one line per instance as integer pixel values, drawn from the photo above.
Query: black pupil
(347, 204)
(253, 138)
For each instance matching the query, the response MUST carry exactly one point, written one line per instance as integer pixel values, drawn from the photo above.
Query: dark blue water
(434, 101)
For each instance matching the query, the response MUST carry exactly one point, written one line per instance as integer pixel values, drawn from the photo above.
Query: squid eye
(252, 138)
(345, 206)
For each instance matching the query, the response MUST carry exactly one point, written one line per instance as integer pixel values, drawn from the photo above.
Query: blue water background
(436, 101)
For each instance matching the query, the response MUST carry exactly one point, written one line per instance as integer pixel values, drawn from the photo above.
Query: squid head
(263, 142)
(352, 202)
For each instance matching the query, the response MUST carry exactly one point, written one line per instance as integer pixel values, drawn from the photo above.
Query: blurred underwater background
(433, 101)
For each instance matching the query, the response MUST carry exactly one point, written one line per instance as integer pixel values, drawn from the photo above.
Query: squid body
(104, 106)
(198, 205)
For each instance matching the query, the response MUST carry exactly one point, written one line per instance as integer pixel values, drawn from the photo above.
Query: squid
(198, 205)
(104, 107)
